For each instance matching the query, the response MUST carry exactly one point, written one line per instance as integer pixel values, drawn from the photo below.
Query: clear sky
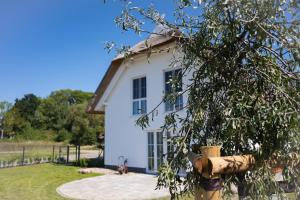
(47, 45)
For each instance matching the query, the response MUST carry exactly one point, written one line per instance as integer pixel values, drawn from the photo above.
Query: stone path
(113, 187)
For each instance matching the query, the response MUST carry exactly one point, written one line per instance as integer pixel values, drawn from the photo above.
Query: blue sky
(47, 45)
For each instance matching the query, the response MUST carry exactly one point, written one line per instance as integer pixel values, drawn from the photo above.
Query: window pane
(139, 88)
(170, 149)
(168, 89)
(143, 106)
(168, 106)
(135, 88)
(159, 138)
(150, 138)
(168, 77)
(174, 74)
(151, 164)
(135, 107)
(179, 102)
(143, 87)
(159, 155)
(178, 74)
(160, 151)
(150, 151)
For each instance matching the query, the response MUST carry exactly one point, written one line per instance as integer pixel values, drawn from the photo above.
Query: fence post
(59, 152)
(53, 149)
(78, 152)
(68, 153)
(23, 156)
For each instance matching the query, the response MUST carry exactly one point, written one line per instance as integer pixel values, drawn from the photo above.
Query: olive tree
(244, 88)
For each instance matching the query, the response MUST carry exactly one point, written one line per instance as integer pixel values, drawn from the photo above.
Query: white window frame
(139, 100)
(164, 86)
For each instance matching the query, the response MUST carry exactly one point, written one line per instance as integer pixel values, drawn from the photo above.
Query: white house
(130, 87)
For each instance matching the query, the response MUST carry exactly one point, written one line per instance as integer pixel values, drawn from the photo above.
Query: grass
(36, 182)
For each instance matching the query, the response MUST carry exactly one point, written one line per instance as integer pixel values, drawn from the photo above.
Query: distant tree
(85, 128)
(70, 97)
(54, 110)
(52, 114)
(4, 107)
(14, 123)
(27, 107)
(62, 112)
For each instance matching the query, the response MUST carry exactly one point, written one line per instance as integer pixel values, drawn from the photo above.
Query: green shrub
(81, 162)
(30, 133)
(96, 162)
(63, 135)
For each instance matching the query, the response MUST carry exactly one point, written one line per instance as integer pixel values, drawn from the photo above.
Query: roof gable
(137, 49)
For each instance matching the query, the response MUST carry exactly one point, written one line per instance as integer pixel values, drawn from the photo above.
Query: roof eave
(114, 66)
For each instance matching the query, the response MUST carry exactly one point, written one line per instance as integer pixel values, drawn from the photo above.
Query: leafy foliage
(62, 112)
(242, 61)
(27, 107)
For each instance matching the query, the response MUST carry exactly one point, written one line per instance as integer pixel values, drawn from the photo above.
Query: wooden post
(78, 152)
(230, 164)
(53, 149)
(59, 152)
(209, 188)
(23, 156)
(210, 165)
(68, 152)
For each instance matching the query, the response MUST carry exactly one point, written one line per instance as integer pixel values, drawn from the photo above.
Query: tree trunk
(2, 134)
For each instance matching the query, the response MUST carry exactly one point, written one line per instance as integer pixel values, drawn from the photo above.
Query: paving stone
(130, 186)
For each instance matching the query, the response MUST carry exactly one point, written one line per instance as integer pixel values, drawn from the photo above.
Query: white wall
(122, 136)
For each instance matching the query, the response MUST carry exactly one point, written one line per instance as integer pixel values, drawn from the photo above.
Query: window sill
(175, 111)
(136, 116)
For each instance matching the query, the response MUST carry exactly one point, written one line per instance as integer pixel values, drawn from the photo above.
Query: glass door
(151, 151)
(159, 150)
(155, 150)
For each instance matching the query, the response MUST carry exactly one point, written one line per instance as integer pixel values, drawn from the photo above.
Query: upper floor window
(139, 88)
(173, 84)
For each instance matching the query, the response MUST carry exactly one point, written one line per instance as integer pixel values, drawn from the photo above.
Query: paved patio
(113, 187)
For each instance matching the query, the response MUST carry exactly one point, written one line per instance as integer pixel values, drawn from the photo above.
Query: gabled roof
(141, 47)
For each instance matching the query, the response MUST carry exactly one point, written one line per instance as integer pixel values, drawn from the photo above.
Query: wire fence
(12, 155)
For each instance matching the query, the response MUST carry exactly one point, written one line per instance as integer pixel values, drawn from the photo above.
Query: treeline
(59, 117)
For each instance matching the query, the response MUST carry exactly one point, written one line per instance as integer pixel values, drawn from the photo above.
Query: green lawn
(37, 182)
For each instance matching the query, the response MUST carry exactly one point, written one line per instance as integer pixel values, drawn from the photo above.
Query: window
(150, 151)
(155, 150)
(170, 147)
(139, 104)
(159, 149)
(175, 89)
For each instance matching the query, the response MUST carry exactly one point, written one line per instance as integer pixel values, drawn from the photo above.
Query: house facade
(130, 88)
